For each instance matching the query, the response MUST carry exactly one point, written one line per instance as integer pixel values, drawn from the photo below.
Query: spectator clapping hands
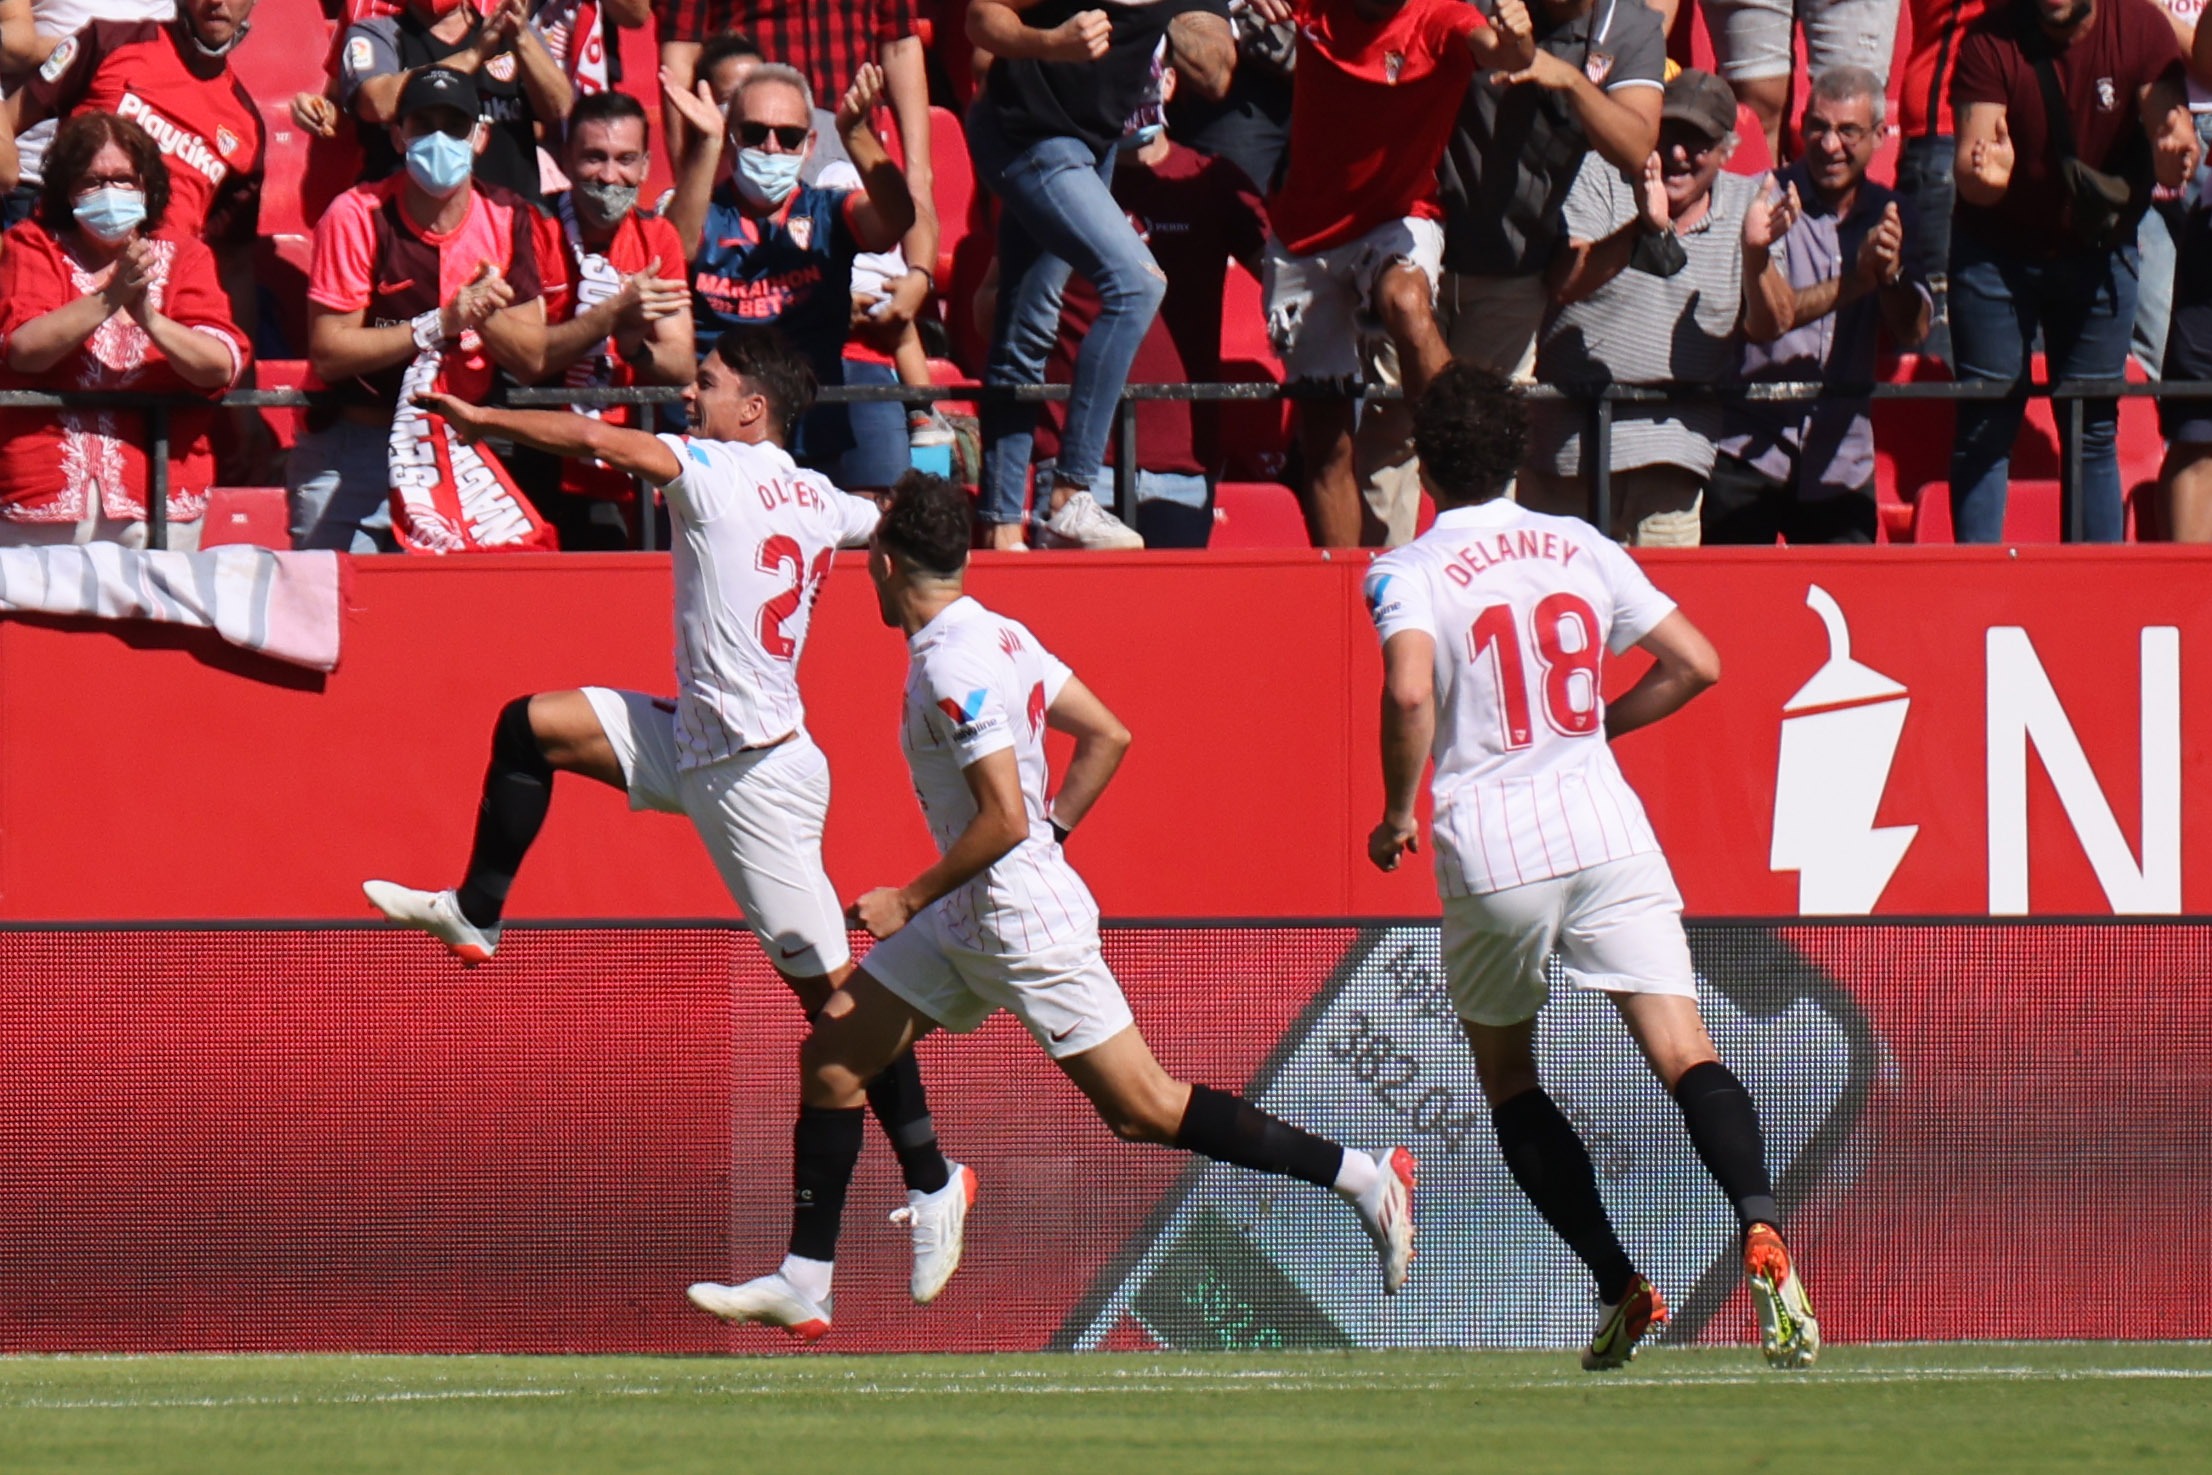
(1773, 211)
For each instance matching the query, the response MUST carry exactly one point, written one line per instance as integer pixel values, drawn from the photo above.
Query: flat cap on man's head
(1701, 100)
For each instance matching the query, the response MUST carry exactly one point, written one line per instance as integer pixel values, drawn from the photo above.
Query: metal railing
(2069, 396)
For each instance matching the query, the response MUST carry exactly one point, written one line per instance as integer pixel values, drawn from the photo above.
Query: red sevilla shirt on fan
(640, 240)
(195, 109)
(1374, 105)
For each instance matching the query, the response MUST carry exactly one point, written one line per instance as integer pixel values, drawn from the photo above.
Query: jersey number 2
(1566, 637)
(773, 555)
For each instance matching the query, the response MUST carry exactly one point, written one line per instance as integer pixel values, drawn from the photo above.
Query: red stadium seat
(1258, 515)
(946, 372)
(283, 374)
(252, 515)
(1244, 321)
(1255, 433)
(2031, 513)
(285, 55)
(955, 187)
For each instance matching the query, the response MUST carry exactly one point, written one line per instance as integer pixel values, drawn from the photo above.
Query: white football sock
(810, 1278)
(1357, 1174)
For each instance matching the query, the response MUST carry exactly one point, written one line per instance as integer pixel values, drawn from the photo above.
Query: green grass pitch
(1891, 1410)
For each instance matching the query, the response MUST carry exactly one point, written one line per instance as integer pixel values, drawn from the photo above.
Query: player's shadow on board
(205, 646)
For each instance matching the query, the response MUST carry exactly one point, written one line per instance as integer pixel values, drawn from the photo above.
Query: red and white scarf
(573, 33)
(448, 496)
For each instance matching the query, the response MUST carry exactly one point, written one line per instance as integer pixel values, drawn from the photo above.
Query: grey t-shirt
(1516, 150)
(1643, 329)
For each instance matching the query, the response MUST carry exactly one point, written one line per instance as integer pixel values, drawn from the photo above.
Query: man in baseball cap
(427, 261)
(1663, 274)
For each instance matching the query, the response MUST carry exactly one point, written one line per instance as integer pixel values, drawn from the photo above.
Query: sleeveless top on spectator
(1514, 152)
(401, 43)
(1087, 100)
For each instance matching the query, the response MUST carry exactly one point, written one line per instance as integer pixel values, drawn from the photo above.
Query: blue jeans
(341, 485)
(1057, 214)
(879, 455)
(2085, 305)
(1924, 181)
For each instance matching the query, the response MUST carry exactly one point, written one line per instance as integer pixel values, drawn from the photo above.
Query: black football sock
(825, 1148)
(1230, 1129)
(518, 789)
(902, 1110)
(1724, 1128)
(1553, 1168)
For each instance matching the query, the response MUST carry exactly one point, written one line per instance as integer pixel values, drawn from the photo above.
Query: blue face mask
(765, 178)
(439, 163)
(112, 211)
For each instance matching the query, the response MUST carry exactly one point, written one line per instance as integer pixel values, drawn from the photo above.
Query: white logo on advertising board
(1839, 738)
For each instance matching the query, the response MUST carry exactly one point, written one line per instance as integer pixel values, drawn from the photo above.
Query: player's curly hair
(929, 523)
(766, 360)
(77, 142)
(1471, 430)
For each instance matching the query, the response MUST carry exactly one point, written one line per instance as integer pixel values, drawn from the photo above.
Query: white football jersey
(1523, 608)
(976, 684)
(754, 539)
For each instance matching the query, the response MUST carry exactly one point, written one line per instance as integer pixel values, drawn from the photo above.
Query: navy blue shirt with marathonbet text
(792, 270)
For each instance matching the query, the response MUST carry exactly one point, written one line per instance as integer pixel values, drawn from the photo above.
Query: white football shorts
(1617, 927)
(760, 814)
(1063, 995)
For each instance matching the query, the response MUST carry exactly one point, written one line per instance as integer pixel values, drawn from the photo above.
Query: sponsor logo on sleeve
(360, 56)
(58, 60)
(1381, 602)
(969, 721)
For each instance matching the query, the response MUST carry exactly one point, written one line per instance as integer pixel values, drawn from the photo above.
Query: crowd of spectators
(1533, 185)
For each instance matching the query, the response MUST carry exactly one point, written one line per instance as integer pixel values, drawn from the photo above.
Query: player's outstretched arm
(1408, 732)
(1001, 822)
(1100, 742)
(1684, 663)
(561, 433)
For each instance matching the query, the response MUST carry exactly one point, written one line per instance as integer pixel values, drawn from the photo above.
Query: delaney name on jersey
(1484, 554)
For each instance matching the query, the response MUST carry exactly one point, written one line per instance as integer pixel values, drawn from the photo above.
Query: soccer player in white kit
(754, 539)
(1495, 625)
(1002, 921)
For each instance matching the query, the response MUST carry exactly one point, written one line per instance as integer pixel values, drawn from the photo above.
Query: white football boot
(939, 1223)
(1387, 1211)
(771, 1300)
(437, 913)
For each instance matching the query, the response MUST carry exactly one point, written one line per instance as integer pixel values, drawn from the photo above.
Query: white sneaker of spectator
(1082, 523)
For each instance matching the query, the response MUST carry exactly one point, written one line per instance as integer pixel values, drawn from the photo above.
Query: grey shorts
(1751, 38)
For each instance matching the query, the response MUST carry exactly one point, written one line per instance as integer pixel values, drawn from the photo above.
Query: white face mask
(111, 212)
(765, 178)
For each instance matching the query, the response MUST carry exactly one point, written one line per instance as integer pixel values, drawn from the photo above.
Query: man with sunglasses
(1806, 471)
(766, 249)
(425, 260)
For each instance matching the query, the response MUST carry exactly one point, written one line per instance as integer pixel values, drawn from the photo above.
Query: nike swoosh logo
(1060, 1034)
(388, 289)
(792, 952)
